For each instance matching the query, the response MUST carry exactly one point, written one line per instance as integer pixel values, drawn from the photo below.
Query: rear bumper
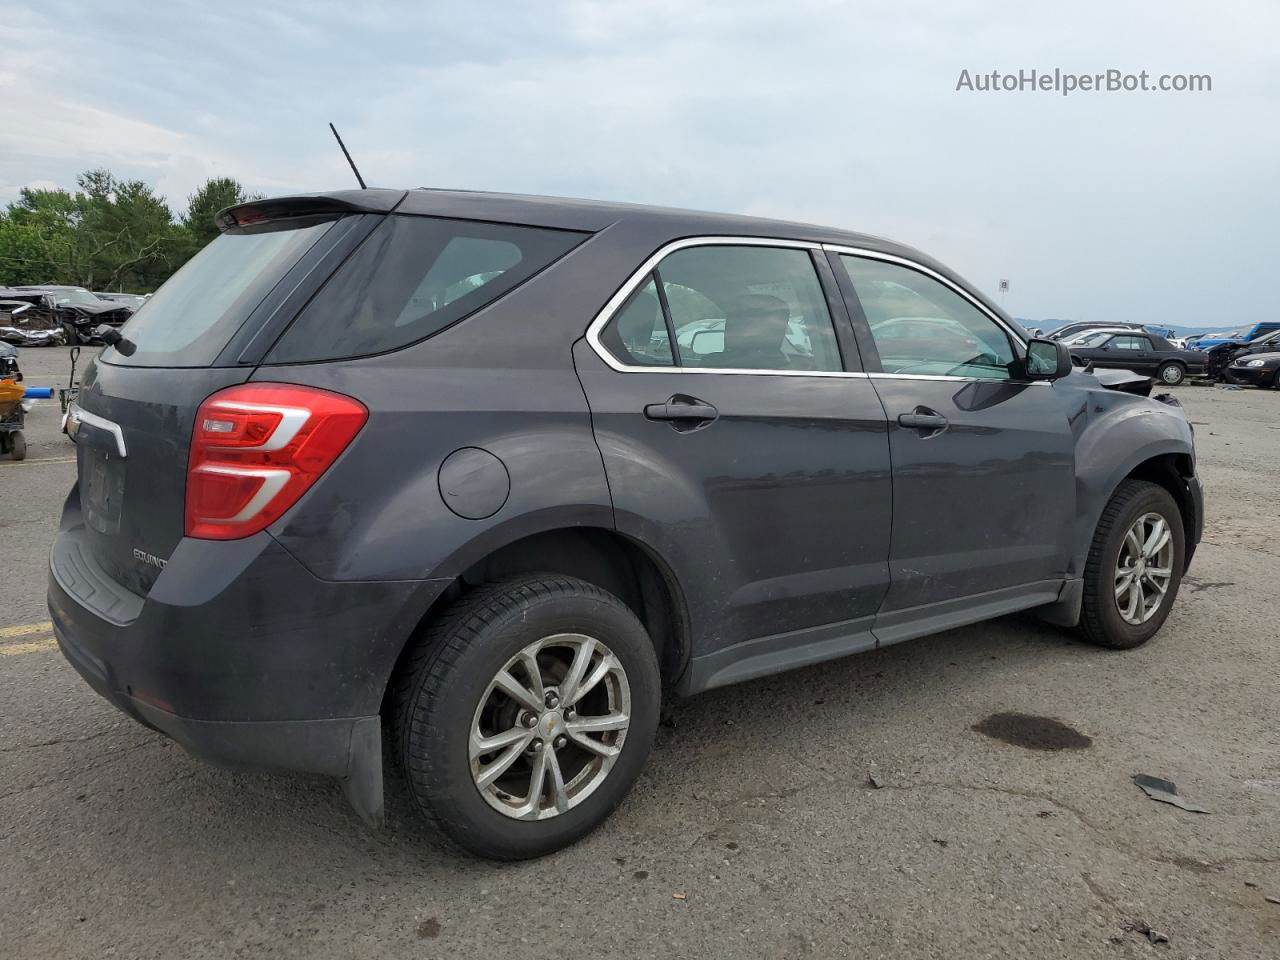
(305, 746)
(240, 654)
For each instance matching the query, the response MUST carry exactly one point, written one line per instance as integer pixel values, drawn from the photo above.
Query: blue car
(1239, 335)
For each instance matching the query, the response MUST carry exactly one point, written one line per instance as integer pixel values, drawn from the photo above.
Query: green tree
(126, 236)
(110, 234)
(216, 194)
(38, 236)
(27, 254)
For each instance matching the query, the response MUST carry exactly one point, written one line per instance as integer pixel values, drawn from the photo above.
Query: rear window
(413, 277)
(188, 321)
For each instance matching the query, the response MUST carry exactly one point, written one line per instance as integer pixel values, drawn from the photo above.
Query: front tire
(525, 714)
(1171, 374)
(1135, 565)
(18, 445)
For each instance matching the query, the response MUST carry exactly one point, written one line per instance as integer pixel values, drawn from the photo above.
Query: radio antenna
(346, 154)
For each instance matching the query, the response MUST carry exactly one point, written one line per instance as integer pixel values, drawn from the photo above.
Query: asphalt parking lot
(754, 831)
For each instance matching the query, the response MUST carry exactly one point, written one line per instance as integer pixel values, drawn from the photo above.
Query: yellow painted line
(26, 629)
(11, 649)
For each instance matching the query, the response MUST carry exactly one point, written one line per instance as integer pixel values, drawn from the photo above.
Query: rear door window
(638, 334)
(739, 306)
(413, 277)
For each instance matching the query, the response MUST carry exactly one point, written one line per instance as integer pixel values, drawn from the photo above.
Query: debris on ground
(874, 778)
(679, 896)
(1270, 899)
(1155, 936)
(1166, 792)
(1230, 386)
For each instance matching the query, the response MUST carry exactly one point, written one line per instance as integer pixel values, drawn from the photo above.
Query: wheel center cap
(551, 723)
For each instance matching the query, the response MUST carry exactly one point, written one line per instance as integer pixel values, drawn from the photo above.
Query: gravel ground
(754, 831)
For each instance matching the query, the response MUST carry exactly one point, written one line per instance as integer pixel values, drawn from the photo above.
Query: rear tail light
(256, 448)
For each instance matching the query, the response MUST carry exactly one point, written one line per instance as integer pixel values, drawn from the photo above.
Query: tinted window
(748, 308)
(188, 321)
(638, 333)
(921, 326)
(1128, 343)
(413, 277)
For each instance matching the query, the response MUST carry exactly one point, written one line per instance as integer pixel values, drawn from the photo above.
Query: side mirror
(1047, 359)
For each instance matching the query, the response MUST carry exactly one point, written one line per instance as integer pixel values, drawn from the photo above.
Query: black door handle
(923, 419)
(682, 409)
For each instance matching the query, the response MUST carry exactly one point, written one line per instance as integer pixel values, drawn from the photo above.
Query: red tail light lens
(255, 450)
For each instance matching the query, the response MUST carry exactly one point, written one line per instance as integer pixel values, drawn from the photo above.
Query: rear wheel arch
(600, 556)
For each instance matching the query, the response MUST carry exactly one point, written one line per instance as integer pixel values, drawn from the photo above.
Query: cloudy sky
(1158, 207)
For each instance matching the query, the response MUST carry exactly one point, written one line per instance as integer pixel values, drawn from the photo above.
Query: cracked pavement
(753, 832)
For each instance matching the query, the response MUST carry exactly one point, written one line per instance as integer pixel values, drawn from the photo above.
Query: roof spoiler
(297, 211)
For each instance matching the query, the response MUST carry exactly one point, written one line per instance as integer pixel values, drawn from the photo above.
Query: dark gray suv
(485, 477)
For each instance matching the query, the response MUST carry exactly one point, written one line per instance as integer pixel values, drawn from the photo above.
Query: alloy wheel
(1144, 568)
(549, 727)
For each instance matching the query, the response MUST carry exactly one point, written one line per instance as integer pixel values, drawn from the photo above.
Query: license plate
(102, 475)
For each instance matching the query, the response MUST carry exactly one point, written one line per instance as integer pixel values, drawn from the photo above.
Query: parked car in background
(1259, 369)
(1141, 352)
(18, 327)
(1238, 335)
(132, 300)
(77, 310)
(491, 476)
(1224, 354)
(1075, 329)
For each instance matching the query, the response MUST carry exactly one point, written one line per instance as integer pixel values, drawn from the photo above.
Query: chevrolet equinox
(483, 478)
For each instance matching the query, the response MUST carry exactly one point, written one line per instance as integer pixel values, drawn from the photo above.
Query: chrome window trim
(616, 302)
(618, 299)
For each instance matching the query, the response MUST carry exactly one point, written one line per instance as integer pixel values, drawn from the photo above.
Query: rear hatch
(289, 283)
(205, 329)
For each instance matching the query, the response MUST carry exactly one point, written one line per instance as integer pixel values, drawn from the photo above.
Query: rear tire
(1102, 620)
(17, 445)
(1171, 374)
(447, 694)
